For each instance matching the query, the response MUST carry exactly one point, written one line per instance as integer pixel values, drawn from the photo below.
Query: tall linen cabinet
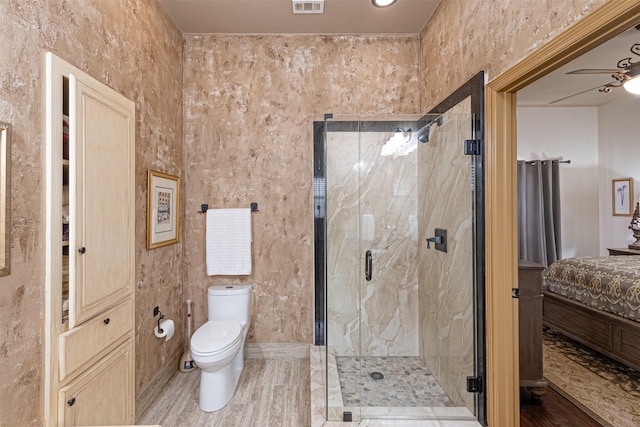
(90, 271)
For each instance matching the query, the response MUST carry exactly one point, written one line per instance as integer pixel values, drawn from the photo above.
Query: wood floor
(553, 410)
(271, 392)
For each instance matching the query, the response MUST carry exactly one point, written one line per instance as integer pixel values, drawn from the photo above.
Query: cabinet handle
(106, 321)
(82, 250)
(71, 401)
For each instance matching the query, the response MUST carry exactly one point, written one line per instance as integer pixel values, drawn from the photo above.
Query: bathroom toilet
(217, 347)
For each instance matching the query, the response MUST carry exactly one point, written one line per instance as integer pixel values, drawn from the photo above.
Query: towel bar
(205, 207)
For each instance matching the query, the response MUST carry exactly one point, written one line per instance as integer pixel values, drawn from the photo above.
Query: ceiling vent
(308, 6)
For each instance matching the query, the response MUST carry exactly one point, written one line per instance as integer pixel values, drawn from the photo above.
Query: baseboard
(148, 395)
(276, 351)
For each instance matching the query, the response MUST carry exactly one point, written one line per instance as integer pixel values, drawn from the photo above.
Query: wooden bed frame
(612, 335)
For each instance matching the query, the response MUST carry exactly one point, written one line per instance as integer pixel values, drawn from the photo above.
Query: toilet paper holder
(156, 311)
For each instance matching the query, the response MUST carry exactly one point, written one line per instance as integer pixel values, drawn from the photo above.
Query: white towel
(228, 242)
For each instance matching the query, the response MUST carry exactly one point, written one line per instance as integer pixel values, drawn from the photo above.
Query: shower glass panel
(399, 336)
(446, 279)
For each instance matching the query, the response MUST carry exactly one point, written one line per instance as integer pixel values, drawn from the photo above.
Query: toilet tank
(229, 302)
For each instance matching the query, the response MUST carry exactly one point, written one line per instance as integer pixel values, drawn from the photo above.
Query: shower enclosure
(398, 206)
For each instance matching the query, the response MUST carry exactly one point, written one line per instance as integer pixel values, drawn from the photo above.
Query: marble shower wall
(371, 205)
(446, 279)
(250, 103)
(133, 47)
(343, 253)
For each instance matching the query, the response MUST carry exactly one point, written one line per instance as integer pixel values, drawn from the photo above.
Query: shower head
(423, 134)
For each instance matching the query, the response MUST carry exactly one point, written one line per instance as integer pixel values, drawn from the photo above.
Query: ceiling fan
(626, 75)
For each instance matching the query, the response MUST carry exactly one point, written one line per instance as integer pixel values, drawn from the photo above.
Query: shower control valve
(440, 240)
(436, 239)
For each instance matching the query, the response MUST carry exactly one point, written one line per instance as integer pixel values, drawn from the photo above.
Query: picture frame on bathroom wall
(163, 195)
(5, 199)
(622, 196)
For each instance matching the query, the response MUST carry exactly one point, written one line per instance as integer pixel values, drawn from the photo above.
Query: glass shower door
(402, 316)
(388, 181)
(389, 380)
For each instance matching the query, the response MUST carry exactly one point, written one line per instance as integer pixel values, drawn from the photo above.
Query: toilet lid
(216, 336)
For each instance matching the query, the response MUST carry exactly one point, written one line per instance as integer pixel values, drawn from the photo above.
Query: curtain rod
(545, 160)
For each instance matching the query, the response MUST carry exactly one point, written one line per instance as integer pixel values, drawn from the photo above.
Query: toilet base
(217, 388)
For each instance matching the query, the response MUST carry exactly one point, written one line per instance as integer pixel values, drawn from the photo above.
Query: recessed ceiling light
(382, 3)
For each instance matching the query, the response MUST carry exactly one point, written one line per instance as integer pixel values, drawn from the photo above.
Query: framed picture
(162, 209)
(5, 199)
(622, 197)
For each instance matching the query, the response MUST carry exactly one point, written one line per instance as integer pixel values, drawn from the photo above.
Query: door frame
(605, 22)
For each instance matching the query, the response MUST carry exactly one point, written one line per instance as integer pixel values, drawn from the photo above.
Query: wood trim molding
(609, 20)
(501, 231)
(612, 18)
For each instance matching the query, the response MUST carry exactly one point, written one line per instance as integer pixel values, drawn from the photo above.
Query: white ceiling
(558, 84)
(276, 17)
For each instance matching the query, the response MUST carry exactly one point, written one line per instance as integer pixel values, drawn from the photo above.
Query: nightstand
(622, 251)
(530, 327)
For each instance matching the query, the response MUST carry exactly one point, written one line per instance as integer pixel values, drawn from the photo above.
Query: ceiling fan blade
(597, 71)
(576, 94)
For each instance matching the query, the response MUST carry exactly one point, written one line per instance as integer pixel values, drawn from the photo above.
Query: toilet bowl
(213, 347)
(217, 347)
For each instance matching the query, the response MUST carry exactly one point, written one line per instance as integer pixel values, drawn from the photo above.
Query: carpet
(602, 387)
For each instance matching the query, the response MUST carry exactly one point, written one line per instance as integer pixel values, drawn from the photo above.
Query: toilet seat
(215, 336)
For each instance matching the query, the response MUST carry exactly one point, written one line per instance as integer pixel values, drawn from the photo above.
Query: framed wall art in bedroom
(622, 196)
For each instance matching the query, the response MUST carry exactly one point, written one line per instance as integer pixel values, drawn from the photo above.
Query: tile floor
(290, 392)
(371, 416)
(278, 392)
(406, 382)
(271, 392)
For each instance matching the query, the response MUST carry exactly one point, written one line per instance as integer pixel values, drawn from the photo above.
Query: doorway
(606, 22)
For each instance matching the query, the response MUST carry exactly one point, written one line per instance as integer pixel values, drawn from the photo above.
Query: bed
(596, 301)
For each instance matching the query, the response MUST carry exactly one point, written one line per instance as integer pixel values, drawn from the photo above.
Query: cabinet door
(103, 395)
(102, 136)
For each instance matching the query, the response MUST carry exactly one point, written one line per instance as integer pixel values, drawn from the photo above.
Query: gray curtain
(539, 211)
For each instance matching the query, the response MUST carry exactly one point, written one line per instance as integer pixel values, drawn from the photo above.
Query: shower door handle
(368, 266)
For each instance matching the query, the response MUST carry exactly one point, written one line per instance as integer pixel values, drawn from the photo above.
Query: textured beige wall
(133, 47)
(464, 37)
(249, 106)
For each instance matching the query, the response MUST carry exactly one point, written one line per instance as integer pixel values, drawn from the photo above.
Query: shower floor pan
(327, 390)
(389, 382)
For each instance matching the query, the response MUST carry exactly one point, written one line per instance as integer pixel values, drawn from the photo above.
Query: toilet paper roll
(168, 328)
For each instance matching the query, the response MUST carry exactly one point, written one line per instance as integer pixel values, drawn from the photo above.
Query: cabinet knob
(82, 250)
(71, 401)
(106, 321)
